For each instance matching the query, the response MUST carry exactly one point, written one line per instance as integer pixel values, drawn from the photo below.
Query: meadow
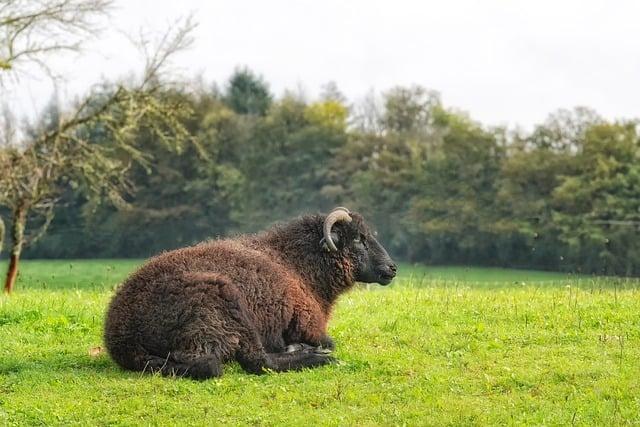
(440, 346)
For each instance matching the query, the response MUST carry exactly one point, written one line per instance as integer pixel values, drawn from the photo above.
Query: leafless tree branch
(31, 30)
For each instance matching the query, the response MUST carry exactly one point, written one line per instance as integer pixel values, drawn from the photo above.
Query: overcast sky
(504, 62)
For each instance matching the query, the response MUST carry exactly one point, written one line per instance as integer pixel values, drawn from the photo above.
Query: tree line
(138, 166)
(440, 187)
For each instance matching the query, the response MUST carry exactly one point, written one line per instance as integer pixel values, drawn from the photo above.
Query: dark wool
(187, 311)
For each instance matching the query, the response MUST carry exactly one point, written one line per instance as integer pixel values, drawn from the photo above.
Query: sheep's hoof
(327, 342)
(319, 359)
(293, 348)
(306, 348)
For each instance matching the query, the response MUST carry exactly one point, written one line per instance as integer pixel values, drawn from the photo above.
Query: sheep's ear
(334, 237)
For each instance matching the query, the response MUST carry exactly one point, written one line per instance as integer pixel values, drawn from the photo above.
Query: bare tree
(65, 153)
(8, 131)
(3, 193)
(33, 30)
(30, 32)
(368, 114)
(2, 231)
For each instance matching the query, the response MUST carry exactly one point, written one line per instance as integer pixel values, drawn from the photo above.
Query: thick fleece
(187, 311)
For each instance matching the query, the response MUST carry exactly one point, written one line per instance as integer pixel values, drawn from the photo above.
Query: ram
(263, 300)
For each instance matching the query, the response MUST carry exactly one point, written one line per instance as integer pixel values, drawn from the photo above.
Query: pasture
(441, 346)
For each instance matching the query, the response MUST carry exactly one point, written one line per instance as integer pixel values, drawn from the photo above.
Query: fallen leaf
(95, 351)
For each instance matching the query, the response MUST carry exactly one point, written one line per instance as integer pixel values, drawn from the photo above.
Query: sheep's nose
(393, 268)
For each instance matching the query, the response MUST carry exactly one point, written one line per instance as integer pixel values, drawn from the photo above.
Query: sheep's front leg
(309, 326)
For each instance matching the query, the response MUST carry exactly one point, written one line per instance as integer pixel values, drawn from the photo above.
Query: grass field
(442, 346)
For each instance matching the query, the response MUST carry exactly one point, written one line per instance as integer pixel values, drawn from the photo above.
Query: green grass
(448, 349)
(484, 275)
(73, 274)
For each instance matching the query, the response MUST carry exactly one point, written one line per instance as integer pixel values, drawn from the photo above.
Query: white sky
(505, 62)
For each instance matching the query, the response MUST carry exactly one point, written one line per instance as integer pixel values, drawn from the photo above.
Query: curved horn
(338, 214)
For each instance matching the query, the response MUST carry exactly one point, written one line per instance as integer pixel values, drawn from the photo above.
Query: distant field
(71, 274)
(480, 275)
(103, 274)
(444, 346)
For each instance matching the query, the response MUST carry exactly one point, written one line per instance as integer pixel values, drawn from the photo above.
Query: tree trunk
(2, 229)
(17, 239)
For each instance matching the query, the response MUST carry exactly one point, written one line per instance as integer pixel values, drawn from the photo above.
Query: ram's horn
(336, 215)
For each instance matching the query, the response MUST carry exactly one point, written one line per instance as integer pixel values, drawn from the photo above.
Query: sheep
(263, 300)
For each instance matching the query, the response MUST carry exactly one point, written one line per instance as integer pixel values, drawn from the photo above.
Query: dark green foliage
(440, 187)
(598, 201)
(247, 93)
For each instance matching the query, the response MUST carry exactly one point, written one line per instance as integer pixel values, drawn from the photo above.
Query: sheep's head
(348, 234)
